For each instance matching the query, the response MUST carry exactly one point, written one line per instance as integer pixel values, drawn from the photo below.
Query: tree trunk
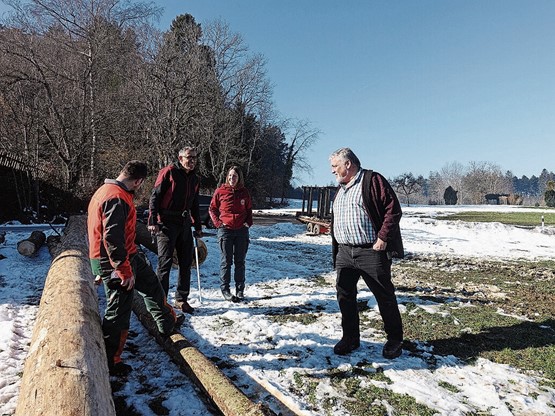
(222, 392)
(31, 245)
(66, 371)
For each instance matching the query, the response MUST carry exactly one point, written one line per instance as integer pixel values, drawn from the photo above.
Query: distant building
(497, 199)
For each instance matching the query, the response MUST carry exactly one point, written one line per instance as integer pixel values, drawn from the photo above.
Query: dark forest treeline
(86, 86)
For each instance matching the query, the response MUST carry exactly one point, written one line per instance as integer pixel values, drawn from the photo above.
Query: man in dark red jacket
(174, 208)
(365, 236)
(113, 254)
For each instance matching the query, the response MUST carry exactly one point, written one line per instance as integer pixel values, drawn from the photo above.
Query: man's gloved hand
(197, 233)
(119, 281)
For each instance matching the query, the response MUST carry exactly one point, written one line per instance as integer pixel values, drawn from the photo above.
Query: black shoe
(120, 369)
(184, 306)
(227, 294)
(240, 295)
(346, 345)
(179, 319)
(392, 349)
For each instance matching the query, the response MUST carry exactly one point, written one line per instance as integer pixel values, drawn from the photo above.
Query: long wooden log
(30, 246)
(66, 371)
(144, 238)
(222, 392)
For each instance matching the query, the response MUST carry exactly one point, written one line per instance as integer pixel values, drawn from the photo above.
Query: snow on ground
(285, 268)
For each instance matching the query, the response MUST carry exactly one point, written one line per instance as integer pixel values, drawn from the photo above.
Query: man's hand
(153, 229)
(379, 245)
(126, 282)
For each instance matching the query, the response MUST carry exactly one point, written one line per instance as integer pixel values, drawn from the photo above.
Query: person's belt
(367, 245)
(170, 213)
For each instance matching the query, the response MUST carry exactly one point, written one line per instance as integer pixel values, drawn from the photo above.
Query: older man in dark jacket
(365, 236)
(174, 208)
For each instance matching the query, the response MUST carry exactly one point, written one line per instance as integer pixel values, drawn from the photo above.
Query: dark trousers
(119, 304)
(233, 248)
(178, 237)
(375, 269)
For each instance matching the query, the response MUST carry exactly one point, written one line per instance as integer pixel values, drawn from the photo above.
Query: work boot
(184, 306)
(227, 294)
(346, 345)
(392, 349)
(120, 369)
(240, 295)
(179, 320)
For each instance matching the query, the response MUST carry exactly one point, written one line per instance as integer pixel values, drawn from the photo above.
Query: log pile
(66, 372)
(30, 246)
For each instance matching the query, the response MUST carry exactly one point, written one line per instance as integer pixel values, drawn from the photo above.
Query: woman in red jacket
(231, 213)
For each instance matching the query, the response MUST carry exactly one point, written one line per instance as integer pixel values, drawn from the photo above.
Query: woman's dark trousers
(233, 247)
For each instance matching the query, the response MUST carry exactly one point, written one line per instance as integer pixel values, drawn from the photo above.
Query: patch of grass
(468, 323)
(370, 373)
(307, 386)
(374, 401)
(223, 322)
(530, 219)
(369, 399)
(303, 318)
(449, 387)
(319, 281)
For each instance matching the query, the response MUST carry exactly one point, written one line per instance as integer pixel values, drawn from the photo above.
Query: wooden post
(66, 371)
(31, 245)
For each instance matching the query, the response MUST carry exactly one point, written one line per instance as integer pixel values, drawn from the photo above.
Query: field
(477, 301)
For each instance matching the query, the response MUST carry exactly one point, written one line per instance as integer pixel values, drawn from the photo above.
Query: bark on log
(144, 238)
(31, 245)
(53, 244)
(222, 392)
(66, 372)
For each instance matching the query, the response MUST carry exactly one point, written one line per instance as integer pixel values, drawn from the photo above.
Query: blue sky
(408, 85)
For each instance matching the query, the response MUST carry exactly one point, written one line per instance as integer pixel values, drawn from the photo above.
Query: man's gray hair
(185, 149)
(346, 154)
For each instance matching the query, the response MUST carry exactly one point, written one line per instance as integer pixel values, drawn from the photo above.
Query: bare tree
(407, 185)
(483, 178)
(70, 50)
(300, 136)
(246, 92)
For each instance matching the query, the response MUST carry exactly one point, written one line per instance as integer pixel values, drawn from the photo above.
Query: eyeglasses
(189, 157)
